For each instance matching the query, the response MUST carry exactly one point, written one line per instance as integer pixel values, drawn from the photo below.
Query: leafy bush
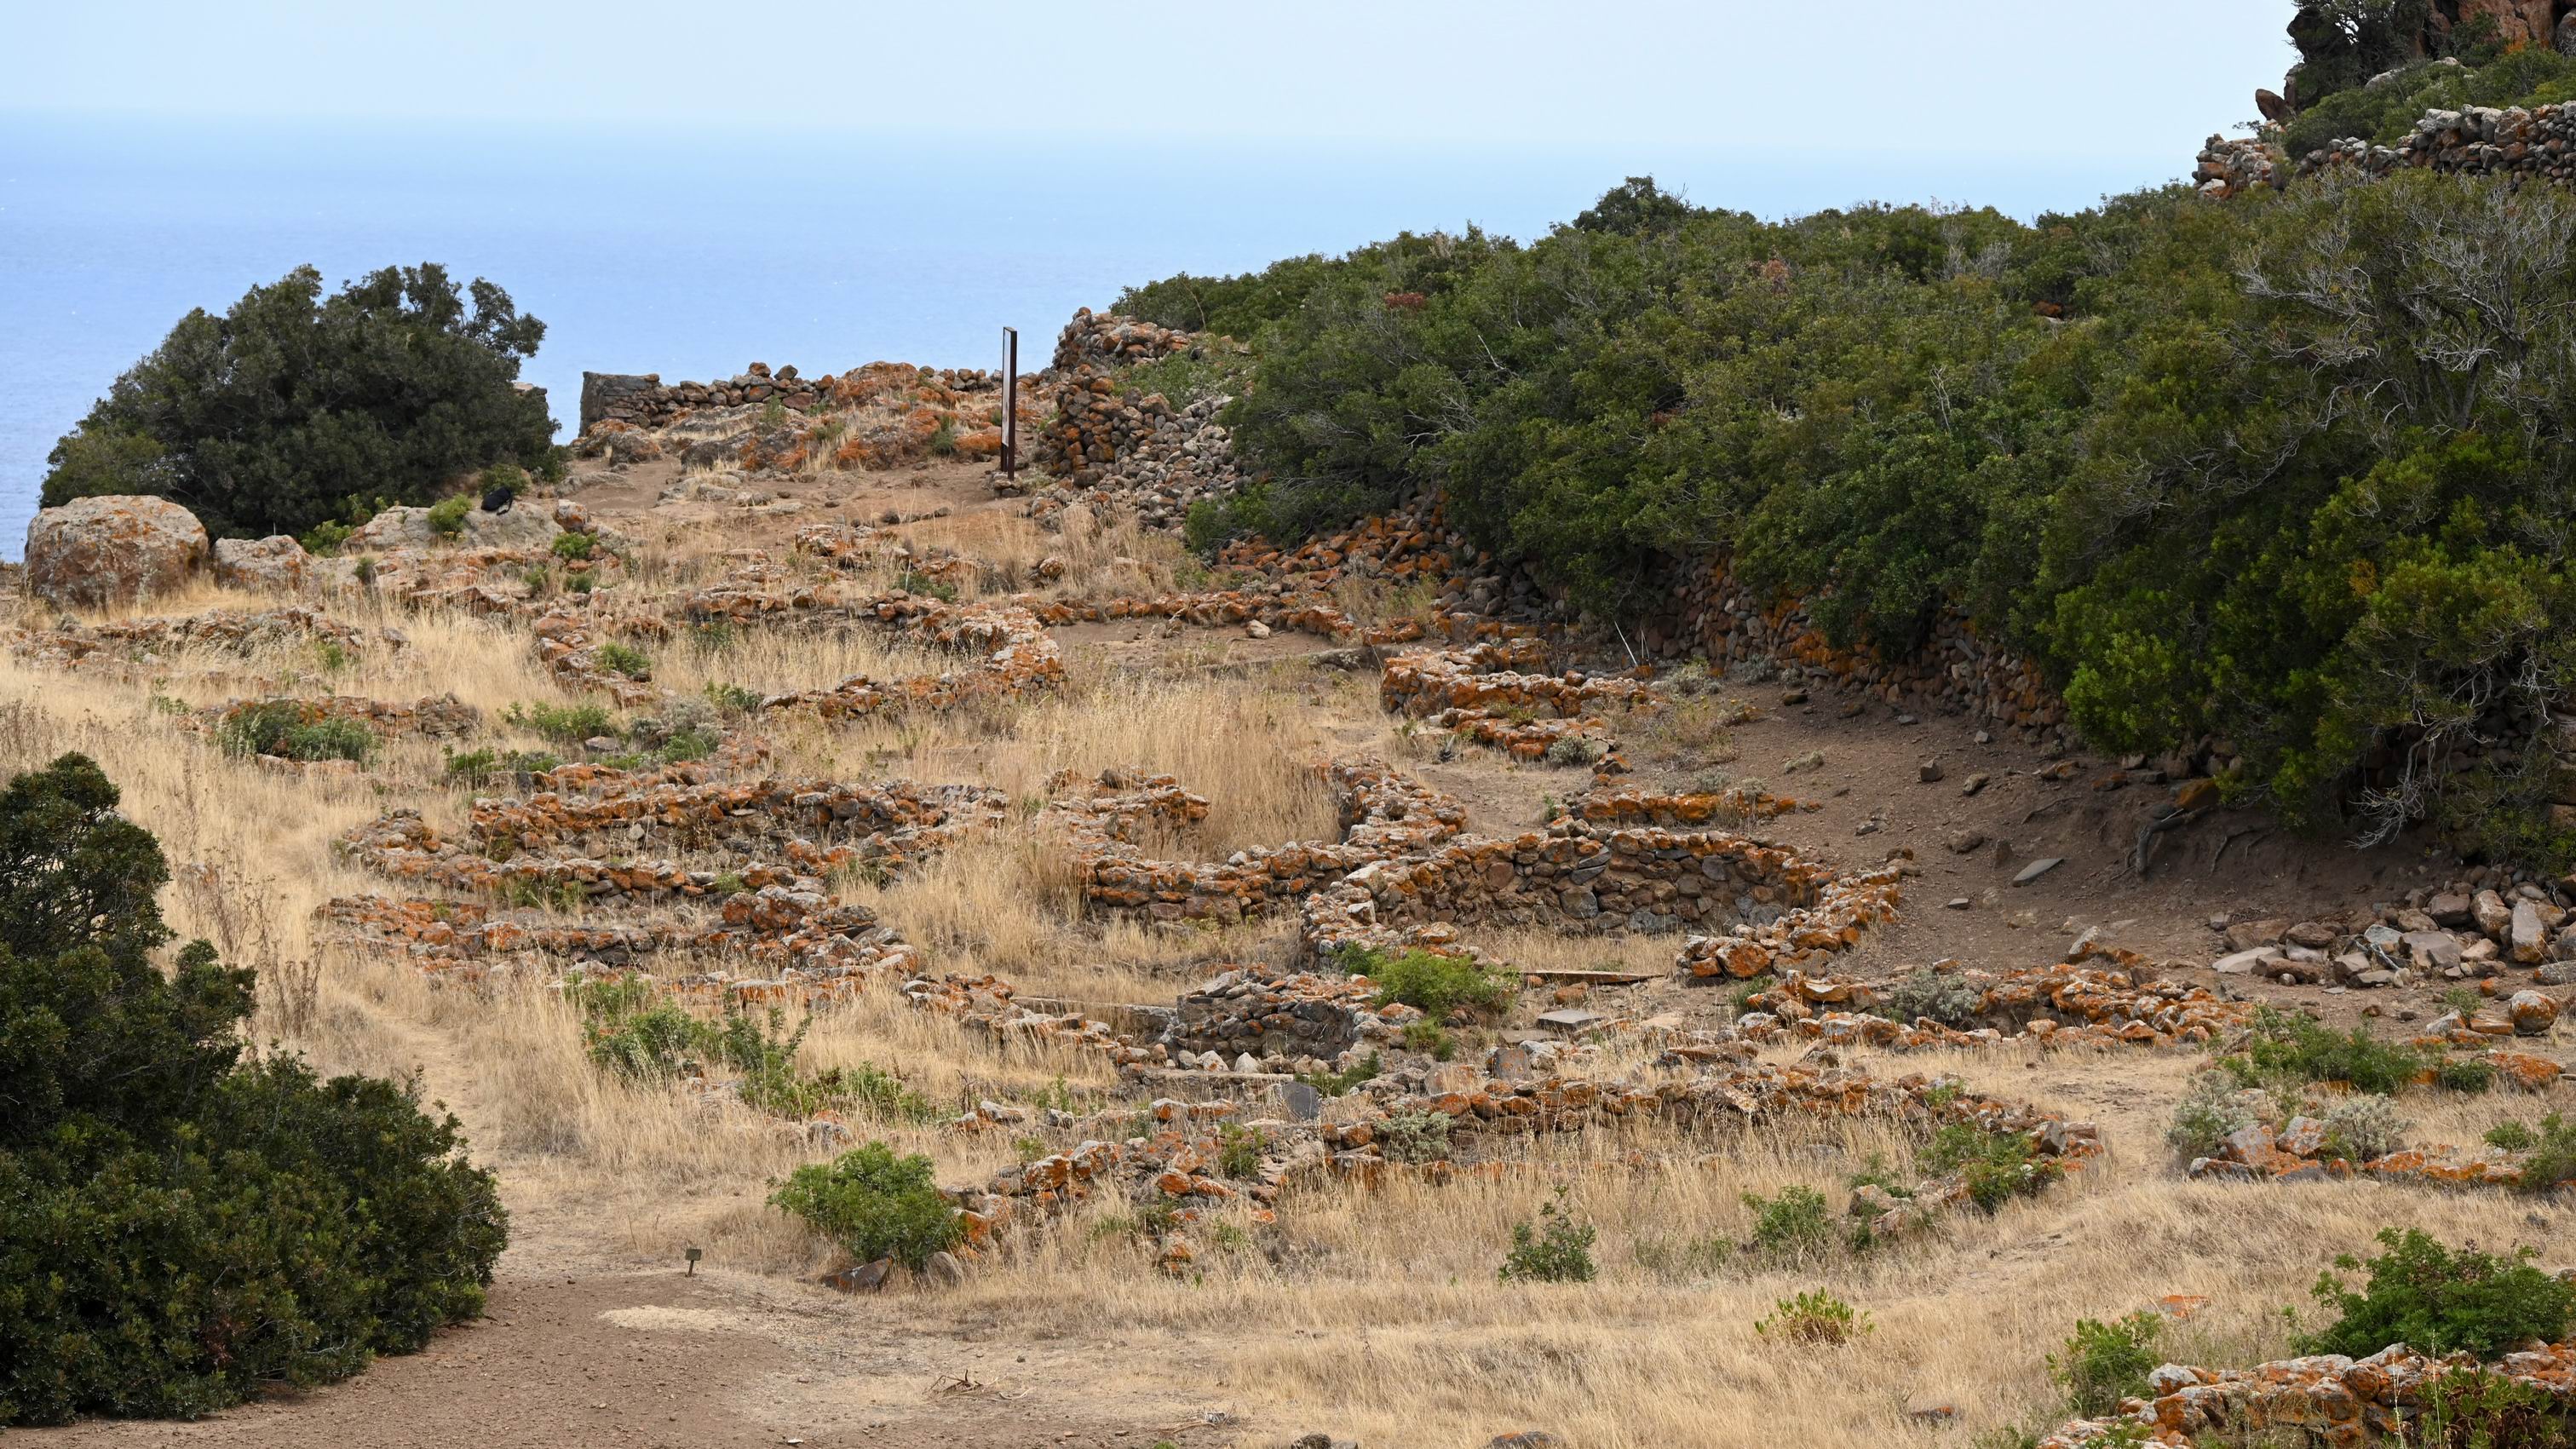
(632, 1029)
(2552, 1147)
(733, 698)
(447, 515)
(2126, 441)
(623, 659)
(2387, 113)
(1815, 1319)
(280, 727)
(2438, 1300)
(574, 546)
(1239, 1150)
(874, 1204)
(2104, 1363)
(1995, 1166)
(1797, 1224)
(181, 1228)
(2292, 1049)
(565, 724)
(1433, 984)
(1555, 1249)
(481, 767)
(255, 420)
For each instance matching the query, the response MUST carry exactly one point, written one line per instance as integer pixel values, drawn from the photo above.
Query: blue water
(692, 257)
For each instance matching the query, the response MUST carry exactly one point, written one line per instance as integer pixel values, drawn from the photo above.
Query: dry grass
(1374, 1313)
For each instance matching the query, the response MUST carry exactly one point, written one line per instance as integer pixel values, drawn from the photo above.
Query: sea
(693, 252)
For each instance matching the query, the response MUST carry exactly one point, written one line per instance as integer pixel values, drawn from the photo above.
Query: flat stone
(2244, 962)
(1571, 1019)
(2038, 868)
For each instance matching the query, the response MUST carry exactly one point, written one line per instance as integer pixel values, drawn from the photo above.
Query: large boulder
(95, 553)
(276, 564)
(397, 529)
(2517, 22)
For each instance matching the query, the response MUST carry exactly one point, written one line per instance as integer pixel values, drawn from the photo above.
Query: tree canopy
(273, 416)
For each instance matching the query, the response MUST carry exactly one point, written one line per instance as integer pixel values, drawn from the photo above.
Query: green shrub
(1796, 1225)
(254, 420)
(565, 724)
(447, 515)
(1433, 984)
(912, 581)
(2104, 1363)
(279, 727)
(574, 546)
(2552, 1147)
(2291, 1050)
(1431, 1038)
(623, 659)
(1995, 1166)
(182, 1228)
(324, 539)
(2439, 1300)
(632, 1029)
(1555, 1249)
(873, 1204)
(733, 698)
(1815, 1319)
(481, 767)
(1239, 1151)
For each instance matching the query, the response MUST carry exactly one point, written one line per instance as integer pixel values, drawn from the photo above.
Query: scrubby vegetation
(873, 1204)
(2131, 442)
(257, 421)
(184, 1223)
(2440, 1300)
(1436, 985)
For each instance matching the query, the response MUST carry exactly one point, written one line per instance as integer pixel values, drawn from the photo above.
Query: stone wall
(643, 401)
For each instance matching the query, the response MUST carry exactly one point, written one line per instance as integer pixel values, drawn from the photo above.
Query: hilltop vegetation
(2293, 472)
(292, 409)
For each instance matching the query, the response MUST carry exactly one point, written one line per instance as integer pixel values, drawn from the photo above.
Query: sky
(2050, 81)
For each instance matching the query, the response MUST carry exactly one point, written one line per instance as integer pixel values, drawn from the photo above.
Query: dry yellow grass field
(1375, 1314)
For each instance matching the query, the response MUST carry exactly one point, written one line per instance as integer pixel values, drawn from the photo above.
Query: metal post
(1010, 401)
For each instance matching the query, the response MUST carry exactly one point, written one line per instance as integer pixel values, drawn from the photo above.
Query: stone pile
(1776, 909)
(238, 631)
(2228, 168)
(1108, 820)
(1483, 693)
(2330, 1401)
(2072, 1004)
(438, 717)
(1261, 1014)
(2467, 931)
(771, 832)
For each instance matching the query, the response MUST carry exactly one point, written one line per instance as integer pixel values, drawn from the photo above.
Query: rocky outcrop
(273, 565)
(399, 529)
(97, 553)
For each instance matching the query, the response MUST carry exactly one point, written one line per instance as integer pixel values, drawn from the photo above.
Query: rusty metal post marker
(1010, 402)
(693, 1255)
